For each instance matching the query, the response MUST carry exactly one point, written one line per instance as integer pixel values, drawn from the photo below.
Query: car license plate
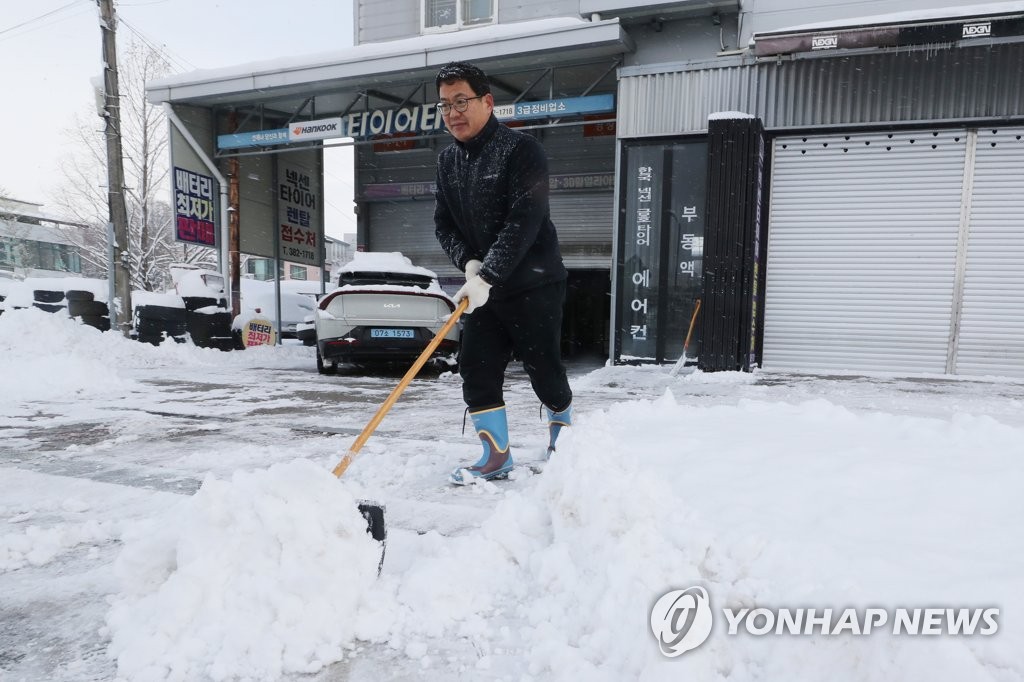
(392, 333)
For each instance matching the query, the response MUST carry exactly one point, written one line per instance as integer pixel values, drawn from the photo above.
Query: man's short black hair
(464, 71)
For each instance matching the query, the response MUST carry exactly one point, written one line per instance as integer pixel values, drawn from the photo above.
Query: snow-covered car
(385, 308)
(258, 298)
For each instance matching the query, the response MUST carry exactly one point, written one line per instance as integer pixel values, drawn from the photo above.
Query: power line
(41, 16)
(42, 21)
(180, 63)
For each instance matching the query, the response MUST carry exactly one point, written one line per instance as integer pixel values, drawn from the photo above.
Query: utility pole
(120, 315)
(234, 224)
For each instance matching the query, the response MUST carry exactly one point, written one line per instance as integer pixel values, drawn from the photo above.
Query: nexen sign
(979, 30)
(825, 42)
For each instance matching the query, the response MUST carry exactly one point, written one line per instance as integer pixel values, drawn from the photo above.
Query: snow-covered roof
(366, 62)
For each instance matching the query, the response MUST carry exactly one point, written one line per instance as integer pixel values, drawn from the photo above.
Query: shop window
(297, 272)
(260, 268)
(7, 253)
(444, 15)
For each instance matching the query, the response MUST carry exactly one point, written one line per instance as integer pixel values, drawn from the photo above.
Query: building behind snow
(33, 243)
(840, 185)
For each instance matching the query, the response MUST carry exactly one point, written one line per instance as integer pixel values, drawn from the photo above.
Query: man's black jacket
(492, 206)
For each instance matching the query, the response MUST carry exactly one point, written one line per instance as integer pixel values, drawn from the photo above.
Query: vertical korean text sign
(298, 216)
(195, 208)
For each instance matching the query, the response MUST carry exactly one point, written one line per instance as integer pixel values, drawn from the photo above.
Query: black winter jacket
(492, 206)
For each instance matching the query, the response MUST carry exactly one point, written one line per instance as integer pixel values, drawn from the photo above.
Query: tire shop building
(830, 186)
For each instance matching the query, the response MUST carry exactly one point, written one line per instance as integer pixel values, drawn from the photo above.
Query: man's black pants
(529, 324)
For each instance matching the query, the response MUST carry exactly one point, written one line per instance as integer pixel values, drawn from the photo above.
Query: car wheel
(323, 367)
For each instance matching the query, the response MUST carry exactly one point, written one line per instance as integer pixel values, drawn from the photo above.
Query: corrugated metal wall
(882, 87)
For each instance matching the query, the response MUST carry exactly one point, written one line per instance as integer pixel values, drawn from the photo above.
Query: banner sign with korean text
(687, 201)
(195, 208)
(300, 233)
(567, 106)
(420, 119)
(641, 252)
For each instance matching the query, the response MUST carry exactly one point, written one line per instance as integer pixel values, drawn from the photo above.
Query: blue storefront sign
(567, 106)
(257, 138)
(418, 119)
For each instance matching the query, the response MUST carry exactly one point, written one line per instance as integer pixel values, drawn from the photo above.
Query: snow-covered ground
(169, 513)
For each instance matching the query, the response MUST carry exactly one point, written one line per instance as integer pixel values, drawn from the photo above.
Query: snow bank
(764, 503)
(45, 356)
(652, 496)
(250, 578)
(39, 545)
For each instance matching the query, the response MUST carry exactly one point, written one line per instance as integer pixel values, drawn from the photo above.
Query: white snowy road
(770, 489)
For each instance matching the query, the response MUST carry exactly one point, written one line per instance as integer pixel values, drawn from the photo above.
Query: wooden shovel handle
(413, 371)
(693, 321)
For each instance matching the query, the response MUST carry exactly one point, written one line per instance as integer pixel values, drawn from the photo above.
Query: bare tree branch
(83, 194)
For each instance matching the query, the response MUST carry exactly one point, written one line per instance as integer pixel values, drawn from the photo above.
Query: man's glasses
(460, 105)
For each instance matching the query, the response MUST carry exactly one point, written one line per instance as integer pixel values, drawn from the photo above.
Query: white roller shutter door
(408, 227)
(862, 246)
(991, 336)
(583, 222)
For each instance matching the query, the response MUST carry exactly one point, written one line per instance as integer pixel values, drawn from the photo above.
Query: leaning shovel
(372, 512)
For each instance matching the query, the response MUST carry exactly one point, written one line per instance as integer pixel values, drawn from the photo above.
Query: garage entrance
(899, 252)
(585, 320)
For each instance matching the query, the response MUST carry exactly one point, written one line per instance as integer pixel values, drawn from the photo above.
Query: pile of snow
(53, 357)
(251, 578)
(164, 300)
(37, 362)
(763, 503)
(381, 261)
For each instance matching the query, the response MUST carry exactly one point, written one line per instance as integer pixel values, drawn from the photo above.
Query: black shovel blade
(374, 515)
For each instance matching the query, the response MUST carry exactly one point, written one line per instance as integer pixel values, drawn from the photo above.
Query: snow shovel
(686, 344)
(372, 512)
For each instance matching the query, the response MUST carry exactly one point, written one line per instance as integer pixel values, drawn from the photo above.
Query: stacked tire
(82, 304)
(50, 301)
(156, 323)
(208, 322)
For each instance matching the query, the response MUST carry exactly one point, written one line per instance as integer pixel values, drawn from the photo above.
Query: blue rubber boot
(492, 427)
(556, 420)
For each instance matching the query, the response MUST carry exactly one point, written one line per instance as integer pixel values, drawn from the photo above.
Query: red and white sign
(259, 332)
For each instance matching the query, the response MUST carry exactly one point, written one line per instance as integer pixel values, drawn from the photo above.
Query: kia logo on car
(392, 305)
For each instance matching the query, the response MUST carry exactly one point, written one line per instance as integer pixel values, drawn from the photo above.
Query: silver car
(384, 309)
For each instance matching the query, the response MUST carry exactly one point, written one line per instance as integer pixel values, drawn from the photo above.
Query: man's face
(465, 125)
